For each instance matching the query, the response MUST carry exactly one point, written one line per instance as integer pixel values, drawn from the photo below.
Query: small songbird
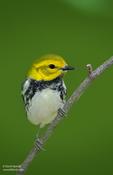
(44, 90)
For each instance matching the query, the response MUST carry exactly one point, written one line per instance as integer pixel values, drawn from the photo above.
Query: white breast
(44, 107)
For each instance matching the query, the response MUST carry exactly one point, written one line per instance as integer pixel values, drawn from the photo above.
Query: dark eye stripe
(52, 66)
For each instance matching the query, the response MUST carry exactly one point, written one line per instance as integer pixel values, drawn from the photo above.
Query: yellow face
(48, 68)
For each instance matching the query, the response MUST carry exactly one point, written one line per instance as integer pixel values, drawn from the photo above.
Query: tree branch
(62, 113)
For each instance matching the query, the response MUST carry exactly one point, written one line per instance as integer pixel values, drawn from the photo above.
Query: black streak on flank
(35, 86)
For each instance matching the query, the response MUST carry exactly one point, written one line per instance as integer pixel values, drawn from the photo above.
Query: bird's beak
(67, 68)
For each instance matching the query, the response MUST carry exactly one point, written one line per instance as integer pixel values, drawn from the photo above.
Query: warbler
(43, 90)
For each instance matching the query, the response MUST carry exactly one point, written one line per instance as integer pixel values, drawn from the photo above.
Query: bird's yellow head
(48, 68)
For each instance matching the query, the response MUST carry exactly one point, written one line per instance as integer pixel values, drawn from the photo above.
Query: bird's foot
(61, 112)
(39, 144)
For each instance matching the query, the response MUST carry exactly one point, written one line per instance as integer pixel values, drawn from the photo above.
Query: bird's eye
(52, 66)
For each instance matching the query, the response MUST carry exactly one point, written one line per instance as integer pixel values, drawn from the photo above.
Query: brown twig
(73, 99)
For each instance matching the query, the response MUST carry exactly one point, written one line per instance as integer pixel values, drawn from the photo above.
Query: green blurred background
(82, 32)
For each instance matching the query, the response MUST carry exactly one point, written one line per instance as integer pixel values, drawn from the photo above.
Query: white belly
(44, 106)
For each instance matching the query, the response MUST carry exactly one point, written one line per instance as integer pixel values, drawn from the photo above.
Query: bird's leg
(61, 112)
(38, 142)
(37, 135)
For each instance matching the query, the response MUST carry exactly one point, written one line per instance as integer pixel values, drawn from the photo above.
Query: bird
(43, 90)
